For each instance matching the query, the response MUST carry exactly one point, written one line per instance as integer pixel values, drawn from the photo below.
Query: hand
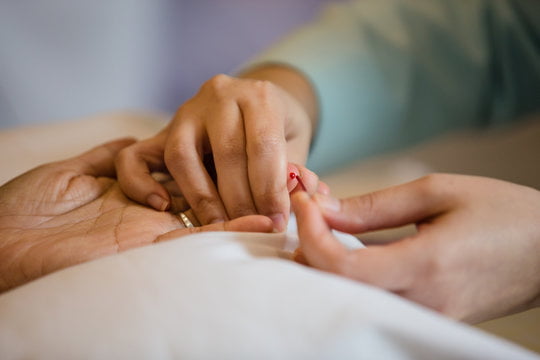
(252, 127)
(475, 256)
(69, 212)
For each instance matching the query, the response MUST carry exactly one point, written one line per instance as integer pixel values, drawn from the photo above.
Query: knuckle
(360, 209)
(369, 203)
(176, 154)
(431, 183)
(263, 93)
(123, 157)
(265, 89)
(217, 84)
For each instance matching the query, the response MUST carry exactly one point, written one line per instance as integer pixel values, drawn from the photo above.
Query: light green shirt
(393, 72)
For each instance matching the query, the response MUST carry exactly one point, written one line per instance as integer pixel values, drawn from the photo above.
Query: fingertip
(292, 171)
(301, 178)
(157, 202)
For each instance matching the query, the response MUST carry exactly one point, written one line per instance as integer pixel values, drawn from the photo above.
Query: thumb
(395, 206)
(99, 161)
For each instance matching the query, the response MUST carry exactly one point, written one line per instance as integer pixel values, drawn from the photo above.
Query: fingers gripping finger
(134, 165)
(321, 249)
(252, 223)
(99, 161)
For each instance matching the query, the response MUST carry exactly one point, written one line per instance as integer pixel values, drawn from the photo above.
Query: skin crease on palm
(73, 211)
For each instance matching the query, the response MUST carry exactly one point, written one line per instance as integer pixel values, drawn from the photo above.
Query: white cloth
(224, 296)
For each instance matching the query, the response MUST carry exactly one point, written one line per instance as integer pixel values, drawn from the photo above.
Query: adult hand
(475, 256)
(251, 126)
(72, 211)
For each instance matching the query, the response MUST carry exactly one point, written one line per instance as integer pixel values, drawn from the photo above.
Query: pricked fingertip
(294, 176)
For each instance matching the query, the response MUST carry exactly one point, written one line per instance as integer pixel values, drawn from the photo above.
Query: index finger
(395, 206)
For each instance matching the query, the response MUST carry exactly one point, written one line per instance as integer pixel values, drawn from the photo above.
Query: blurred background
(65, 59)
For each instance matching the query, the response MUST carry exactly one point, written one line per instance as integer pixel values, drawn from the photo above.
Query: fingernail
(157, 202)
(279, 222)
(327, 203)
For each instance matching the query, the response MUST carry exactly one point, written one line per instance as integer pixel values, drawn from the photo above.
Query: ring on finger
(185, 220)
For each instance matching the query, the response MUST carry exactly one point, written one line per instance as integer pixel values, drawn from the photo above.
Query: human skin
(253, 125)
(69, 212)
(475, 256)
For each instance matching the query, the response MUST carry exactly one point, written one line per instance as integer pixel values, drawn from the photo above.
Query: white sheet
(224, 296)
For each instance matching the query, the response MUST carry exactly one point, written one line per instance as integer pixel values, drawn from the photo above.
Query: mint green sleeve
(394, 72)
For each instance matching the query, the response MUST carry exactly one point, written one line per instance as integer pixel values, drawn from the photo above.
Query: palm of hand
(54, 217)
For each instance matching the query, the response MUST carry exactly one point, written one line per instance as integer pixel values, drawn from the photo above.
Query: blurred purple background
(64, 59)
(216, 36)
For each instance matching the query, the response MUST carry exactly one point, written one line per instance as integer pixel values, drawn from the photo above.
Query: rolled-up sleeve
(390, 73)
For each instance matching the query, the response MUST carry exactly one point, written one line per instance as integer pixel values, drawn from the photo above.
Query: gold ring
(185, 220)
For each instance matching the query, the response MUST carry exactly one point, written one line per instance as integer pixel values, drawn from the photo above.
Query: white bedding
(224, 296)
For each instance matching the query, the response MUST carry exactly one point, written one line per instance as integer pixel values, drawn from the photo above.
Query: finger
(309, 179)
(227, 139)
(99, 161)
(396, 206)
(251, 223)
(134, 165)
(392, 267)
(267, 154)
(183, 157)
(319, 246)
